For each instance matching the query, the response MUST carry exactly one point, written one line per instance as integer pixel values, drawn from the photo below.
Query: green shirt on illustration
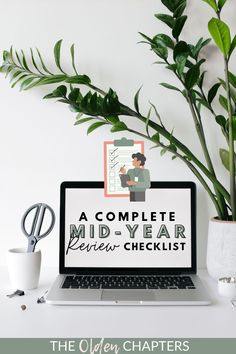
(142, 177)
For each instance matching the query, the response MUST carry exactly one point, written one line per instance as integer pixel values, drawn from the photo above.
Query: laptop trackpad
(128, 295)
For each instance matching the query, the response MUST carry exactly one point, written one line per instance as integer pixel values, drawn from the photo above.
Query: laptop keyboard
(127, 282)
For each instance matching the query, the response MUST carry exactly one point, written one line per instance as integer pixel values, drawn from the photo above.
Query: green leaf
(201, 79)
(60, 91)
(42, 63)
(232, 79)
(212, 92)
(156, 137)
(15, 74)
(161, 50)
(224, 103)
(147, 121)
(136, 98)
(78, 79)
(195, 50)
(5, 55)
(178, 26)
(112, 119)
(120, 126)
(170, 87)
(57, 55)
(221, 121)
(173, 147)
(232, 46)
(234, 126)
(18, 80)
(146, 37)
(192, 77)
(181, 62)
(172, 5)
(180, 54)
(164, 40)
(221, 34)
(24, 62)
(52, 80)
(72, 52)
(204, 103)
(83, 120)
(18, 58)
(26, 82)
(163, 151)
(34, 62)
(182, 49)
(212, 3)
(232, 91)
(75, 95)
(95, 126)
(167, 19)
(221, 3)
(224, 155)
(180, 9)
(48, 96)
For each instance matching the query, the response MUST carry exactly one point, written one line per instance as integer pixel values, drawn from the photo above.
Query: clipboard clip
(123, 142)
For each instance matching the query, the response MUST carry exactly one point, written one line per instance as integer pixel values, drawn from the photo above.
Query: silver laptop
(117, 252)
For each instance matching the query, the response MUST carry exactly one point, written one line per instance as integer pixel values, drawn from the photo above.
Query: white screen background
(92, 201)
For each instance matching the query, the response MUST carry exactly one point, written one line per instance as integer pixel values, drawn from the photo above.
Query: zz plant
(185, 61)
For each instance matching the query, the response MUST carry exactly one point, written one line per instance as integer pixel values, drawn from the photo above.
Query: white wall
(40, 147)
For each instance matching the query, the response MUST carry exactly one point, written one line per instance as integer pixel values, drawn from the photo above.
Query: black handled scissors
(34, 235)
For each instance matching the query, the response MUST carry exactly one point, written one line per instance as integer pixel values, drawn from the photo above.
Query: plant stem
(184, 150)
(231, 144)
(190, 166)
(200, 131)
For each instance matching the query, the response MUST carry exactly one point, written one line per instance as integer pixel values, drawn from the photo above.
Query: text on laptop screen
(114, 232)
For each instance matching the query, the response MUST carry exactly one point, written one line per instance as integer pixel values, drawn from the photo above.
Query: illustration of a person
(137, 179)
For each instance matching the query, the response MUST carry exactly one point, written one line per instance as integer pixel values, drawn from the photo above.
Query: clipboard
(118, 153)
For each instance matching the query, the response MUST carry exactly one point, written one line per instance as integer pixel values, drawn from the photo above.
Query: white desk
(42, 320)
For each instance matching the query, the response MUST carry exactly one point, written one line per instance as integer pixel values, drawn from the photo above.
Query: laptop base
(128, 297)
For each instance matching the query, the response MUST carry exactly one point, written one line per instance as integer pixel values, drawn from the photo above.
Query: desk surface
(42, 320)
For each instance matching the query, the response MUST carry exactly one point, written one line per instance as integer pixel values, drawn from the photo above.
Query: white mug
(24, 268)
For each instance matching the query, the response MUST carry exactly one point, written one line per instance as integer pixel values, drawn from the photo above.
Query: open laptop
(117, 252)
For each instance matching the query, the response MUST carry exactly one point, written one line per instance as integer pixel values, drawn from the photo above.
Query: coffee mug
(24, 268)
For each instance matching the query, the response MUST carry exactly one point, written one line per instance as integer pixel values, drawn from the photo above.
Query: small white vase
(24, 268)
(221, 248)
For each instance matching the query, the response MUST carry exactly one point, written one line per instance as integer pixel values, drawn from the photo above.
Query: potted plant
(185, 61)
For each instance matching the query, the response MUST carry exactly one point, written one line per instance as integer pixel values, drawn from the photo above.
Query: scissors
(35, 232)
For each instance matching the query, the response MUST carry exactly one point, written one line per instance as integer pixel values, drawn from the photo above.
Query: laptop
(117, 252)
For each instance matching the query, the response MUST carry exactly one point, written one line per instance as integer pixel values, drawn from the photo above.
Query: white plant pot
(24, 268)
(221, 249)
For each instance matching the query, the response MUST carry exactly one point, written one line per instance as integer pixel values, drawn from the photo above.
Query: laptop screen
(103, 232)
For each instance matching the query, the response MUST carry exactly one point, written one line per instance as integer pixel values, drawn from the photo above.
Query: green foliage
(220, 32)
(212, 92)
(57, 55)
(221, 121)
(167, 19)
(221, 3)
(184, 60)
(95, 126)
(178, 26)
(170, 87)
(224, 155)
(136, 98)
(212, 3)
(192, 77)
